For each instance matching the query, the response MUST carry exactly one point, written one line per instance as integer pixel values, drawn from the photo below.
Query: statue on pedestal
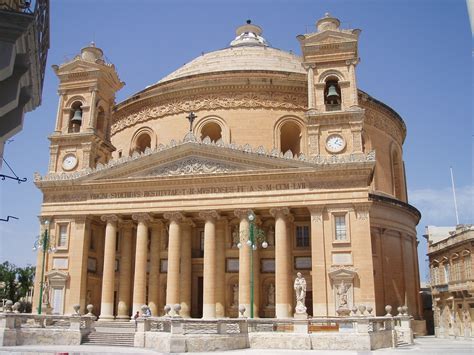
(300, 290)
(343, 308)
(46, 290)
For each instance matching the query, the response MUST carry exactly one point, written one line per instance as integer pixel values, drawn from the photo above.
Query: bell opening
(332, 95)
(75, 120)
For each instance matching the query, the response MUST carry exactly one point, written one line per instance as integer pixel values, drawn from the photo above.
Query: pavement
(423, 345)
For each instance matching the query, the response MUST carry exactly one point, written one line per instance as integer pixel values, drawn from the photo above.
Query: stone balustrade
(361, 331)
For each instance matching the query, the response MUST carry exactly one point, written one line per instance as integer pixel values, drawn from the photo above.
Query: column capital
(142, 217)
(316, 213)
(242, 214)
(189, 222)
(211, 215)
(174, 216)
(308, 66)
(362, 211)
(280, 212)
(109, 218)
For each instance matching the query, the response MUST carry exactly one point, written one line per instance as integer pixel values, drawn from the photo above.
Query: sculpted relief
(211, 102)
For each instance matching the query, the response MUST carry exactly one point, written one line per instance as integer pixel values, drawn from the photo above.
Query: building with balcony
(452, 281)
(24, 44)
(149, 199)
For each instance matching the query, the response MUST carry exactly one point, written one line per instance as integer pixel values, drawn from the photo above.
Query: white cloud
(437, 206)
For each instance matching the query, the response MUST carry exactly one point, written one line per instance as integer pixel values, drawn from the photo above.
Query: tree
(8, 281)
(25, 277)
(15, 282)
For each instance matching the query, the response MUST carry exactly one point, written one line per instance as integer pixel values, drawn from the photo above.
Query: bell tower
(87, 87)
(330, 56)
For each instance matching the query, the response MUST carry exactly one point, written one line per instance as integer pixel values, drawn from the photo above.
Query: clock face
(335, 143)
(69, 162)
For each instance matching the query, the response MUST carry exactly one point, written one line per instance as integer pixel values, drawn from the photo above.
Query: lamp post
(254, 236)
(43, 243)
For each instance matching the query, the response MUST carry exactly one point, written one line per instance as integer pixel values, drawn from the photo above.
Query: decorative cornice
(362, 211)
(226, 100)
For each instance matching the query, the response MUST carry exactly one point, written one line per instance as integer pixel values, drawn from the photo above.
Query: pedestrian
(135, 317)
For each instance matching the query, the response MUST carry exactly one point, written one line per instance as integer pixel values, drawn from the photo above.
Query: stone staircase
(111, 334)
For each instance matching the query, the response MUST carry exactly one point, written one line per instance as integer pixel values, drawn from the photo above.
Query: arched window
(75, 117)
(332, 94)
(290, 137)
(143, 142)
(211, 130)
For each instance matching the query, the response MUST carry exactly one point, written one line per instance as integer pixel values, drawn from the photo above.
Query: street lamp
(254, 236)
(43, 242)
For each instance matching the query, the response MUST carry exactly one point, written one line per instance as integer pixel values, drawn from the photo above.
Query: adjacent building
(153, 200)
(452, 281)
(24, 44)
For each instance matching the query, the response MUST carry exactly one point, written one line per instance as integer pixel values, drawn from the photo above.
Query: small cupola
(327, 23)
(92, 54)
(249, 35)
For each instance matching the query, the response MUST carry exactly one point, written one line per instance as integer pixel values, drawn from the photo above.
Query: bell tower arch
(87, 87)
(330, 56)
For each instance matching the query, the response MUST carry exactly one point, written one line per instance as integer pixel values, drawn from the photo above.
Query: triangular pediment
(328, 37)
(204, 158)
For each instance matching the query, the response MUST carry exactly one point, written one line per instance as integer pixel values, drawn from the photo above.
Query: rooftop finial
(249, 35)
(327, 14)
(92, 44)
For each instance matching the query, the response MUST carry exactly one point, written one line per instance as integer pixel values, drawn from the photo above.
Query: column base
(282, 310)
(106, 318)
(208, 311)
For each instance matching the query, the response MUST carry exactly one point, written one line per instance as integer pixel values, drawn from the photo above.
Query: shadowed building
(148, 207)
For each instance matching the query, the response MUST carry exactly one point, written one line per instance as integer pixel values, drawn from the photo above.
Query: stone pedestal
(343, 312)
(300, 323)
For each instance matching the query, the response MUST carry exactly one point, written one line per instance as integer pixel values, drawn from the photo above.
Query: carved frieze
(233, 100)
(192, 166)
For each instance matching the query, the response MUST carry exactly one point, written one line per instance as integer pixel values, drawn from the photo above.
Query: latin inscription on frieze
(187, 191)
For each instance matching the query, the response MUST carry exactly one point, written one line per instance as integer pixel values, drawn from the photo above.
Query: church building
(215, 186)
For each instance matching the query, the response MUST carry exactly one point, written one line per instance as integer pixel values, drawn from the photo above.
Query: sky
(416, 56)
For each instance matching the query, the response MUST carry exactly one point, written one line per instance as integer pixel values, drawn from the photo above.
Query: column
(154, 275)
(209, 281)
(141, 258)
(108, 274)
(174, 251)
(221, 237)
(311, 103)
(244, 263)
(78, 254)
(318, 262)
(282, 264)
(125, 270)
(92, 117)
(186, 268)
(59, 115)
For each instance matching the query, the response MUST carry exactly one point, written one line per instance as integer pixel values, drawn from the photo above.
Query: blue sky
(416, 56)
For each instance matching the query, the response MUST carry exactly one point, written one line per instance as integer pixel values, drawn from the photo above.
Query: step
(109, 339)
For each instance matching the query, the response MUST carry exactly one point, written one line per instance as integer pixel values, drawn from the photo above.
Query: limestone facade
(452, 282)
(147, 207)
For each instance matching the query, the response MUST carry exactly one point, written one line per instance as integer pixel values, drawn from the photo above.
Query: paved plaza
(423, 345)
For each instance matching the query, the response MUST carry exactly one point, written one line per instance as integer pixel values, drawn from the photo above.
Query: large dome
(248, 51)
(238, 59)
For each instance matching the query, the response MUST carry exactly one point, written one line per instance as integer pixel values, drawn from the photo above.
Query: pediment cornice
(192, 157)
